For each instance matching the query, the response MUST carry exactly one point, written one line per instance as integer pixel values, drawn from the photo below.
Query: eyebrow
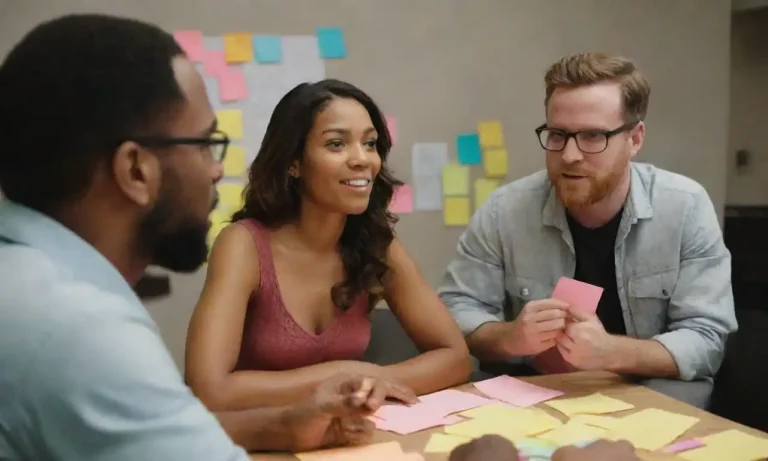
(346, 131)
(211, 128)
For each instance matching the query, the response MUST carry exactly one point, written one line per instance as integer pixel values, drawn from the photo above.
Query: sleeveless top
(273, 341)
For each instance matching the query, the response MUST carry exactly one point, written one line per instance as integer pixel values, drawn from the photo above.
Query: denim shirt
(673, 271)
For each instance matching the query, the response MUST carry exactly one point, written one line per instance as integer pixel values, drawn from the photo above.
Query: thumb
(580, 315)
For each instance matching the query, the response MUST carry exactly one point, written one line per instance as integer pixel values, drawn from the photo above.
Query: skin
(340, 146)
(122, 193)
(593, 198)
(496, 448)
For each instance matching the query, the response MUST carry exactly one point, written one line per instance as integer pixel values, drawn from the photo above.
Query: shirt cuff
(470, 321)
(685, 347)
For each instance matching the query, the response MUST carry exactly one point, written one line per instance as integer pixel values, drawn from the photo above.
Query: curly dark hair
(273, 197)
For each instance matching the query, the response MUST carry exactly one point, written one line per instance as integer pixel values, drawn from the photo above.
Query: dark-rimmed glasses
(588, 141)
(217, 142)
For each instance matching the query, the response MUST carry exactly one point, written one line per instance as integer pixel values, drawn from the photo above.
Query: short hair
(583, 69)
(71, 91)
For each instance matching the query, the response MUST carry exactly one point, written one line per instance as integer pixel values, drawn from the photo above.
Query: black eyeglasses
(217, 143)
(588, 141)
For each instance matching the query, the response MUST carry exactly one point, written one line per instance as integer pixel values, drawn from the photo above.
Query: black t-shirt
(595, 264)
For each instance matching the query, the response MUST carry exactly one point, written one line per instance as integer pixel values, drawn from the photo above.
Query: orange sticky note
(238, 47)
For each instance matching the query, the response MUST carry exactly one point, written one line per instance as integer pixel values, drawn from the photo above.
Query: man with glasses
(648, 237)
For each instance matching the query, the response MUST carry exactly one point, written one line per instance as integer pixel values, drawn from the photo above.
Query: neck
(317, 229)
(598, 214)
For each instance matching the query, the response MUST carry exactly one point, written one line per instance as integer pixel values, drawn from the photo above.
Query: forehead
(596, 106)
(343, 113)
(197, 114)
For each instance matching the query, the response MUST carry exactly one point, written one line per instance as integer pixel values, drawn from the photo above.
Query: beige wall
(442, 65)
(749, 108)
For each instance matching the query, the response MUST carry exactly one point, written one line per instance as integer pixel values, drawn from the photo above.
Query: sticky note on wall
(238, 48)
(268, 49)
(455, 180)
(230, 196)
(392, 128)
(456, 211)
(331, 43)
(191, 41)
(231, 122)
(483, 189)
(232, 85)
(495, 163)
(468, 149)
(490, 134)
(402, 200)
(234, 162)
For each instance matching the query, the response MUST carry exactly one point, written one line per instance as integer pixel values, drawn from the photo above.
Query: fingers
(566, 342)
(580, 315)
(357, 431)
(542, 305)
(382, 390)
(402, 393)
(363, 391)
(551, 325)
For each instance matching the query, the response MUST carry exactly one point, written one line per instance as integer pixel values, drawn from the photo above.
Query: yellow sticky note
(474, 428)
(444, 443)
(495, 163)
(483, 189)
(456, 211)
(455, 180)
(490, 133)
(234, 162)
(238, 48)
(374, 452)
(572, 432)
(230, 196)
(605, 422)
(528, 421)
(231, 122)
(731, 445)
(651, 429)
(594, 404)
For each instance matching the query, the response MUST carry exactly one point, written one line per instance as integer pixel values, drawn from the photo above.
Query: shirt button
(665, 292)
(524, 292)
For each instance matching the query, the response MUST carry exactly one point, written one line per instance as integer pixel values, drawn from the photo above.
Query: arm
(473, 286)
(701, 313)
(445, 359)
(216, 330)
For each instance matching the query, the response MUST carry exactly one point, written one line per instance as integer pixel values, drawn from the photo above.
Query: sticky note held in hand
(578, 295)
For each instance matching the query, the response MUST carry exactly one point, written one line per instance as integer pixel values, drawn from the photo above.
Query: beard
(588, 191)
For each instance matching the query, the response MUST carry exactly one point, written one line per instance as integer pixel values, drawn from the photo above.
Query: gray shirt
(84, 374)
(673, 271)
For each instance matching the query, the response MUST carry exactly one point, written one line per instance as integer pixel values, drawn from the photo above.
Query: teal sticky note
(331, 42)
(267, 49)
(468, 149)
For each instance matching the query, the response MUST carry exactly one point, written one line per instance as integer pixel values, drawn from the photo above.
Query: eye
(371, 144)
(334, 144)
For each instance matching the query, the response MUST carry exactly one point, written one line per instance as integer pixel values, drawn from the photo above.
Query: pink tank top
(273, 341)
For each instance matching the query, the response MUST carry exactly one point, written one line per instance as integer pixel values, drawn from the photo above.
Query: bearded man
(648, 237)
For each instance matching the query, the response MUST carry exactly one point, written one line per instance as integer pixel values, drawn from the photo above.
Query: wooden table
(576, 385)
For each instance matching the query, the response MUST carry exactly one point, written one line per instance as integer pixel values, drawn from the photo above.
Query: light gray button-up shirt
(84, 374)
(673, 270)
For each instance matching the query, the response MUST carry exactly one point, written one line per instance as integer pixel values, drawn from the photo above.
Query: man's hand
(602, 450)
(336, 413)
(485, 448)
(585, 344)
(537, 326)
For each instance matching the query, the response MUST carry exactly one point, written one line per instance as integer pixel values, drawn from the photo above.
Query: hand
(585, 344)
(485, 448)
(537, 326)
(603, 450)
(336, 413)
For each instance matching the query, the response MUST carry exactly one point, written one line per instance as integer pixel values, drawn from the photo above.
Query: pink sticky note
(402, 200)
(683, 445)
(515, 392)
(579, 295)
(214, 63)
(232, 85)
(191, 41)
(392, 127)
(416, 423)
(452, 401)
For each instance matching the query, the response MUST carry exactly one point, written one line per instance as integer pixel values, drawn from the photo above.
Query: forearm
(642, 357)
(261, 429)
(433, 370)
(492, 342)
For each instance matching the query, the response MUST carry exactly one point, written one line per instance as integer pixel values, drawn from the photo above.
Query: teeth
(357, 182)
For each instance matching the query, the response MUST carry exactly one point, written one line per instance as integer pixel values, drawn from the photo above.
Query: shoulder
(237, 247)
(672, 191)
(528, 192)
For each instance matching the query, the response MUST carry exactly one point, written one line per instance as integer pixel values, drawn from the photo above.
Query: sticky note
(683, 445)
(594, 404)
(579, 295)
(238, 47)
(605, 422)
(444, 443)
(234, 162)
(392, 127)
(527, 421)
(652, 428)
(474, 428)
(214, 63)
(483, 189)
(450, 401)
(231, 122)
(191, 41)
(456, 211)
(331, 43)
(268, 49)
(428, 158)
(534, 449)
(374, 452)
(515, 391)
(232, 85)
(402, 200)
(230, 196)
(495, 163)
(572, 432)
(730, 445)
(468, 149)
(455, 180)
(419, 421)
(490, 134)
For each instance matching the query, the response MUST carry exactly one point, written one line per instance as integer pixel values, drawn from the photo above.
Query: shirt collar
(37, 230)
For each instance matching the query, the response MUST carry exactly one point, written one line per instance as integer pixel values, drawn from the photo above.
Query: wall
(749, 116)
(440, 66)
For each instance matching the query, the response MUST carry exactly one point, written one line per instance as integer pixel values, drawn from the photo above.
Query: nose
(571, 153)
(358, 157)
(217, 172)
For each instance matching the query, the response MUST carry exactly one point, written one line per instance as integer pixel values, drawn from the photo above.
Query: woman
(291, 283)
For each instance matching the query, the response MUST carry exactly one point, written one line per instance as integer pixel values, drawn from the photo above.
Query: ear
(636, 139)
(294, 170)
(136, 172)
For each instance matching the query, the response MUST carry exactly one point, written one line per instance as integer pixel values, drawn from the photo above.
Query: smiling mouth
(572, 176)
(359, 183)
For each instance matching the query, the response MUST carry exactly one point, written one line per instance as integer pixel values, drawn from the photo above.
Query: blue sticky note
(468, 149)
(267, 49)
(331, 41)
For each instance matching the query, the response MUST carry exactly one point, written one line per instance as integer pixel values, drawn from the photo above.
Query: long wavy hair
(273, 197)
